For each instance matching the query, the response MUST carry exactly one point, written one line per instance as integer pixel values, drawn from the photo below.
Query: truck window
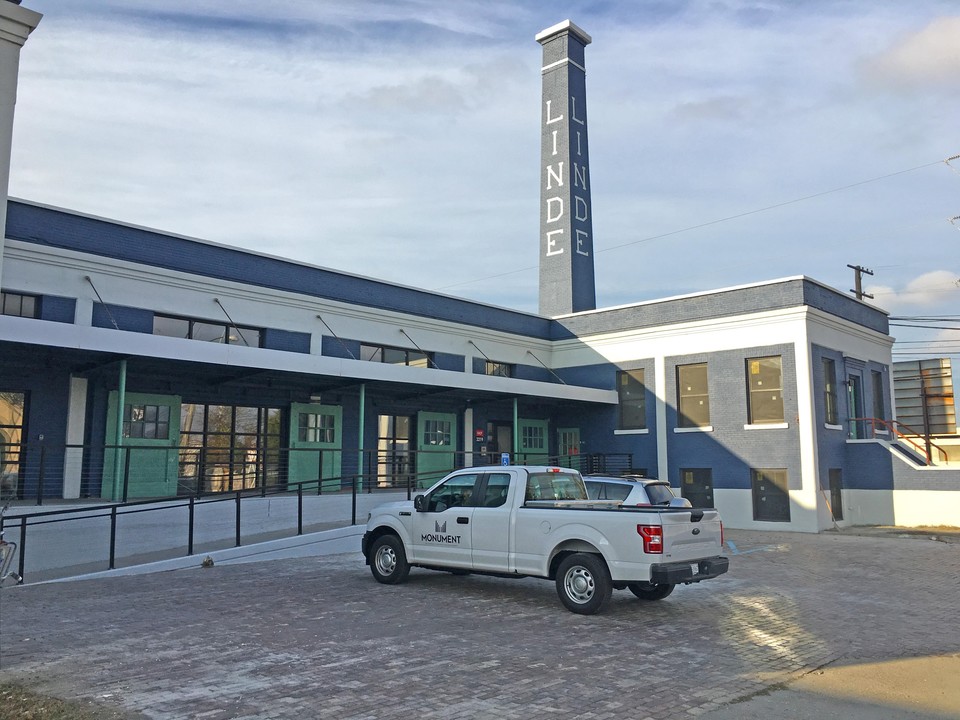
(555, 486)
(455, 492)
(496, 493)
(659, 494)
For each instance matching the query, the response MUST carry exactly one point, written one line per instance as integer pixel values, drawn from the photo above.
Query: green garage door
(315, 445)
(436, 446)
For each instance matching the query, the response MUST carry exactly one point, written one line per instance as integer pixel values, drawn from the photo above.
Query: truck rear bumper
(683, 572)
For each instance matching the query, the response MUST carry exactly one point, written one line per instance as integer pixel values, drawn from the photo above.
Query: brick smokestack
(567, 281)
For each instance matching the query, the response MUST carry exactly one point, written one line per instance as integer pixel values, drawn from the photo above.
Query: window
(436, 432)
(207, 331)
(532, 437)
(696, 485)
(632, 399)
(830, 391)
(765, 390)
(693, 400)
(19, 305)
(555, 486)
(771, 499)
(455, 492)
(878, 407)
(395, 356)
(498, 369)
(12, 418)
(317, 428)
(150, 422)
(498, 484)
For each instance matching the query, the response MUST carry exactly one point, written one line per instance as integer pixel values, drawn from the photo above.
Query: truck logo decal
(438, 538)
(440, 528)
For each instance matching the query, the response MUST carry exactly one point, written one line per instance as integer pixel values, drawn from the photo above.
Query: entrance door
(436, 433)
(395, 466)
(12, 405)
(315, 445)
(499, 440)
(568, 447)
(836, 493)
(533, 442)
(696, 485)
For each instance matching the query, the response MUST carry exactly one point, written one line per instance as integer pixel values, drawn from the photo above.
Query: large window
(693, 399)
(206, 330)
(150, 422)
(771, 498)
(228, 447)
(12, 415)
(436, 432)
(632, 398)
(878, 407)
(532, 437)
(19, 305)
(765, 390)
(696, 485)
(830, 391)
(395, 356)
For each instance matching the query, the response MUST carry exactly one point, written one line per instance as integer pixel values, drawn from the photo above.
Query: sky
(731, 141)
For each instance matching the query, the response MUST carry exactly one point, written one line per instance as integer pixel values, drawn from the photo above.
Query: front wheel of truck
(388, 561)
(583, 583)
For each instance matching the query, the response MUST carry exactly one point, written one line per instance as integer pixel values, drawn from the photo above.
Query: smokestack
(16, 23)
(566, 228)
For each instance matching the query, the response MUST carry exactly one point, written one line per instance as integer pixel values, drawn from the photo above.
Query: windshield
(555, 486)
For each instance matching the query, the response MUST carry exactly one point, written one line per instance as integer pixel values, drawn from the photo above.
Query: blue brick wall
(58, 309)
(126, 318)
(286, 340)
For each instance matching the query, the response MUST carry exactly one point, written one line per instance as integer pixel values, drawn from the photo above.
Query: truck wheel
(388, 561)
(583, 583)
(650, 591)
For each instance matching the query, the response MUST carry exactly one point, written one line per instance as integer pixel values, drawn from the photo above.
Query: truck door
(441, 534)
(490, 534)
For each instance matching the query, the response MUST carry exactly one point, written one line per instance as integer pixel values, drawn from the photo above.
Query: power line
(720, 220)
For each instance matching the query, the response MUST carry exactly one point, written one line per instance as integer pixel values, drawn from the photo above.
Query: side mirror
(419, 504)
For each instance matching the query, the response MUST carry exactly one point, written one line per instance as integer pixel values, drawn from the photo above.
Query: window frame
(754, 393)
(685, 420)
(380, 353)
(244, 333)
(626, 378)
(9, 298)
(831, 408)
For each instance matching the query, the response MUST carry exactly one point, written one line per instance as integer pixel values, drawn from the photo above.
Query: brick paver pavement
(318, 638)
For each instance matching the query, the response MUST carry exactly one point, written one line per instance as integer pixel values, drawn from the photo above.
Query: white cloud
(930, 289)
(929, 58)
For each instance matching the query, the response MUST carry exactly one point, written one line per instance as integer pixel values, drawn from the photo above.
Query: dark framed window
(317, 428)
(879, 411)
(207, 330)
(696, 485)
(532, 437)
(830, 391)
(693, 399)
(764, 390)
(395, 356)
(498, 369)
(150, 422)
(19, 305)
(436, 432)
(771, 497)
(631, 393)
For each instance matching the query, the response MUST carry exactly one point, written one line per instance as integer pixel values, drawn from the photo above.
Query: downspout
(363, 402)
(118, 438)
(516, 430)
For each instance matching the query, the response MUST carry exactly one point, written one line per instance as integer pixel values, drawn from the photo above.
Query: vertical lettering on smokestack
(566, 228)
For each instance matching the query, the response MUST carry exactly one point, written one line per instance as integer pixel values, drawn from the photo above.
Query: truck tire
(583, 583)
(388, 561)
(650, 591)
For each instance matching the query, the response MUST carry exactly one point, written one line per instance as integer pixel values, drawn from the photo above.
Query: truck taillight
(652, 538)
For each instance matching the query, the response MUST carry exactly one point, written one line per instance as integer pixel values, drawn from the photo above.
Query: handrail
(892, 427)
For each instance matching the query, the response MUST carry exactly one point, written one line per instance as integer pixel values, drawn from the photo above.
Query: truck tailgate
(690, 534)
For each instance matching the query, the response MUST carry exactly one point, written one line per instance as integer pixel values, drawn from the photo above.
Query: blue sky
(400, 139)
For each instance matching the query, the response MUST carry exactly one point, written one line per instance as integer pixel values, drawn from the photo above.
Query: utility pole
(858, 273)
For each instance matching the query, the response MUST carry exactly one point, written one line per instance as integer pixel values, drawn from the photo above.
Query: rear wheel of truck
(388, 561)
(583, 583)
(650, 591)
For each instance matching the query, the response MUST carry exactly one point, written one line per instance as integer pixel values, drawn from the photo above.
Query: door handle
(463, 520)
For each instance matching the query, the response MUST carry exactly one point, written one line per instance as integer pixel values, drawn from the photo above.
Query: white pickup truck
(537, 521)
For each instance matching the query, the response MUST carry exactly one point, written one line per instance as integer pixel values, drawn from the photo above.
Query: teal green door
(436, 446)
(151, 433)
(533, 442)
(316, 435)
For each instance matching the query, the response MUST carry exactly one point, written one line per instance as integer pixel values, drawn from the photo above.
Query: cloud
(929, 58)
(930, 289)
